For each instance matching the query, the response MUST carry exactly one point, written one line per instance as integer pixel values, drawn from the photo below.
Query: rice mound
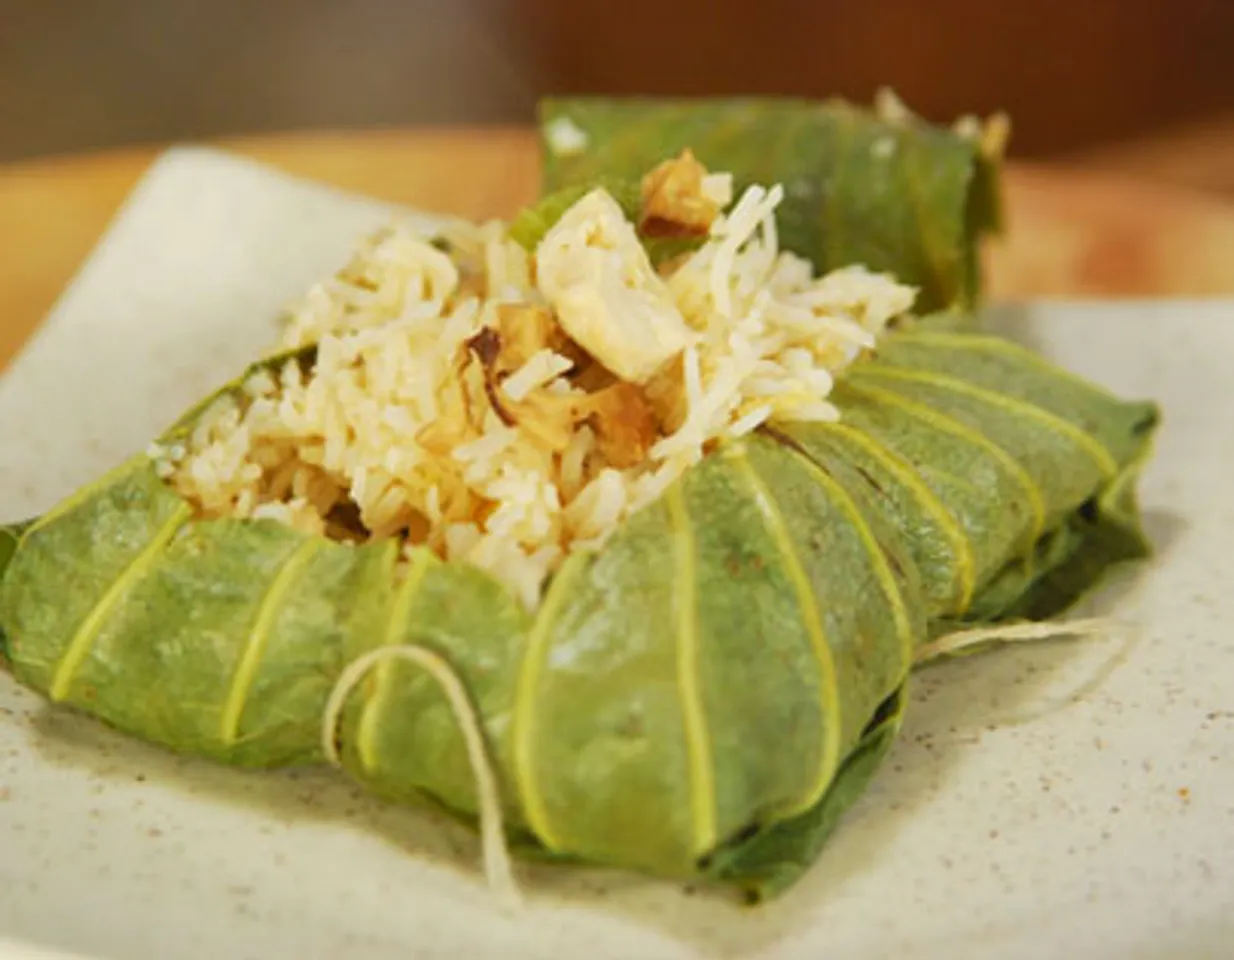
(504, 408)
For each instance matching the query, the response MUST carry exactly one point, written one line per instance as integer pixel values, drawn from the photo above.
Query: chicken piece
(524, 330)
(471, 285)
(624, 422)
(666, 393)
(620, 414)
(549, 420)
(607, 297)
(587, 375)
(674, 201)
(622, 418)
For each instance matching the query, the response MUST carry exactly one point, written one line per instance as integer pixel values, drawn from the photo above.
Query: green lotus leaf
(532, 223)
(904, 196)
(699, 698)
(707, 694)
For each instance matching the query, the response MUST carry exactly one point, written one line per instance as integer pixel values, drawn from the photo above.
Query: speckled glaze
(1068, 798)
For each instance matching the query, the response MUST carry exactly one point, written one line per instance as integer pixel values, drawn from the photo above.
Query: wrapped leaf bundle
(883, 189)
(676, 527)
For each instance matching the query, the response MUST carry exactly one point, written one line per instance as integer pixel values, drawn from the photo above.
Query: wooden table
(1091, 232)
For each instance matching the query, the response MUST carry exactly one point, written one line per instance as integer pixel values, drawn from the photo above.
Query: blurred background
(1122, 180)
(1076, 75)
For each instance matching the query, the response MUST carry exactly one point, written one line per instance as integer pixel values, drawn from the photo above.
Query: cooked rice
(565, 137)
(464, 398)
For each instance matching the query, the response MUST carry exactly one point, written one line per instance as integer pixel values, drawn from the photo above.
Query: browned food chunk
(674, 203)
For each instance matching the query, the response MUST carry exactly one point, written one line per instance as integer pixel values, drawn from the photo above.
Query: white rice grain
(739, 334)
(541, 367)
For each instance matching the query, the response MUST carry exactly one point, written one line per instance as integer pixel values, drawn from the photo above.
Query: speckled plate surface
(1072, 798)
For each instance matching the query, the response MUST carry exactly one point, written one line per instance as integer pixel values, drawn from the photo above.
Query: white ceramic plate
(1073, 798)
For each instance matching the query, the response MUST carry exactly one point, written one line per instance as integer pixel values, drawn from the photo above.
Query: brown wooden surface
(92, 74)
(1071, 74)
(1072, 232)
